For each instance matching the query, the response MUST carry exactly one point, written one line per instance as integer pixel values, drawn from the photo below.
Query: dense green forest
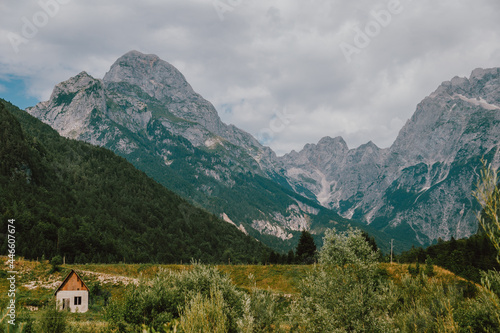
(89, 205)
(464, 257)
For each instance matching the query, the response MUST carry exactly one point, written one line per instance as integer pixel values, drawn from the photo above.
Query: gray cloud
(265, 57)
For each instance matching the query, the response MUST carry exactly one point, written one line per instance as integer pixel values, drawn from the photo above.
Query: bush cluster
(346, 291)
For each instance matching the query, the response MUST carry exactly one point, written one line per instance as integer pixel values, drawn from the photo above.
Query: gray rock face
(422, 184)
(137, 89)
(68, 108)
(165, 84)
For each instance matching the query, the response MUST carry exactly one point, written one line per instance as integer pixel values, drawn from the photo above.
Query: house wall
(71, 294)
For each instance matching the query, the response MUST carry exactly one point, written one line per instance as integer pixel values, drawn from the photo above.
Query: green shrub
(425, 306)
(491, 280)
(487, 194)
(480, 314)
(158, 301)
(52, 320)
(55, 262)
(86, 327)
(23, 322)
(429, 267)
(347, 248)
(262, 311)
(27, 322)
(205, 314)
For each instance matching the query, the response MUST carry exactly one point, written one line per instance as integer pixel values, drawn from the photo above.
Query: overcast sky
(289, 72)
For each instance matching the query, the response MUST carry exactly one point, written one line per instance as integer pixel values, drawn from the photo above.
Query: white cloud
(263, 57)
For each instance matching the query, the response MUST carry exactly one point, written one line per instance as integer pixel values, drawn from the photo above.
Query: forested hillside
(89, 205)
(464, 257)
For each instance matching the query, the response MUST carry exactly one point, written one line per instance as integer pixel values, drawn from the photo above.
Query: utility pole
(392, 240)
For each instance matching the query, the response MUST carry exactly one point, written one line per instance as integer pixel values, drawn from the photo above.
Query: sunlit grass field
(36, 281)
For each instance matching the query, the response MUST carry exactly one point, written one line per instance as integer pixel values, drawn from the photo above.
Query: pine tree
(306, 249)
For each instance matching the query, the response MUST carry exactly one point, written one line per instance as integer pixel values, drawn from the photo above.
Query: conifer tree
(306, 249)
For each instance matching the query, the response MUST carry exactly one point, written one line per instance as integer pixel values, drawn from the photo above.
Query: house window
(78, 300)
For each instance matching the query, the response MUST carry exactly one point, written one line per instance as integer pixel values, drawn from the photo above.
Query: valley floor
(36, 282)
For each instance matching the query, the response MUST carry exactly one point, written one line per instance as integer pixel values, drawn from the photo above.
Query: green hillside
(89, 205)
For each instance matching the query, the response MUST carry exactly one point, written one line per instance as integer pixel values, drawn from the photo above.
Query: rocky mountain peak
(141, 90)
(327, 145)
(75, 84)
(480, 82)
(71, 104)
(327, 141)
(154, 76)
(484, 73)
(367, 149)
(441, 119)
(460, 84)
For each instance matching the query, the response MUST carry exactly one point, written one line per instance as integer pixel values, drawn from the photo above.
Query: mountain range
(416, 191)
(420, 186)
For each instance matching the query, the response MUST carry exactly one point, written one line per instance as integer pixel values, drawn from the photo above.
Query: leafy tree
(342, 294)
(347, 248)
(55, 262)
(370, 241)
(306, 248)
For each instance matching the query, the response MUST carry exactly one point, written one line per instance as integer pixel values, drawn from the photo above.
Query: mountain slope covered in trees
(87, 204)
(144, 110)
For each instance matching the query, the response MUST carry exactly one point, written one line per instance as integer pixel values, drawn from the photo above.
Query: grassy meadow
(37, 281)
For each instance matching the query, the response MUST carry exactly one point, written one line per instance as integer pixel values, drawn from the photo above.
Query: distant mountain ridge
(415, 191)
(422, 184)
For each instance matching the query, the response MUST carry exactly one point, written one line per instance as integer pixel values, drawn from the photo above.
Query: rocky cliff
(421, 186)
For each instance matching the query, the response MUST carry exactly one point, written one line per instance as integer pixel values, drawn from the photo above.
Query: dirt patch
(109, 278)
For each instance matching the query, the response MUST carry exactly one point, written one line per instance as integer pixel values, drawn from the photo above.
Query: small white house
(72, 294)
